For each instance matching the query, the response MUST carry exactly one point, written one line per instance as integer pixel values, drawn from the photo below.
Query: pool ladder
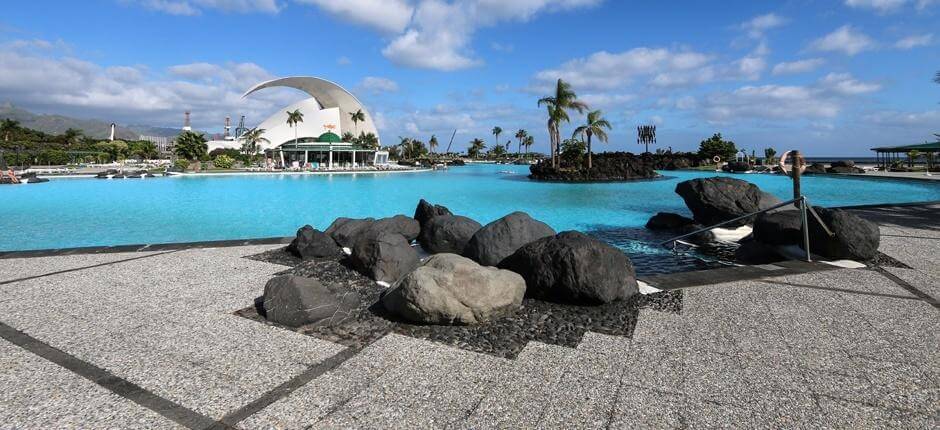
(803, 206)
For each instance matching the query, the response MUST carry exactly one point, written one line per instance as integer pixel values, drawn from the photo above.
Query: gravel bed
(537, 320)
(885, 260)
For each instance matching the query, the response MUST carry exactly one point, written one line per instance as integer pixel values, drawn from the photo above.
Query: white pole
(354, 158)
(306, 157)
(282, 159)
(331, 157)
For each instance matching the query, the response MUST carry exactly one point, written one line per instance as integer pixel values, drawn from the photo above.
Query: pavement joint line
(907, 286)
(285, 389)
(105, 379)
(76, 269)
(839, 290)
(144, 247)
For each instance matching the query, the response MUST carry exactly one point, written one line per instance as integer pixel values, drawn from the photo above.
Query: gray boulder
(714, 200)
(779, 228)
(500, 238)
(403, 225)
(855, 238)
(572, 267)
(312, 243)
(447, 233)
(345, 231)
(295, 301)
(450, 289)
(815, 168)
(425, 211)
(384, 256)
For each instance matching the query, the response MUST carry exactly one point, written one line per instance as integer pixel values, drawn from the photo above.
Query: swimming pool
(92, 212)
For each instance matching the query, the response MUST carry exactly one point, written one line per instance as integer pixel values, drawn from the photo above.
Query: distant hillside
(57, 124)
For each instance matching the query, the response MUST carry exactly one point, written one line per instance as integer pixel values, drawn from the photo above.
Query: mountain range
(57, 124)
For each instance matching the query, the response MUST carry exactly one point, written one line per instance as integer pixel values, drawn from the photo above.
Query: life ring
(716, 159)
(783, 163)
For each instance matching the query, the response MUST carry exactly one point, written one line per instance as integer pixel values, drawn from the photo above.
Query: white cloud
(604, 70)
(757, 26)
(750, 67)
(389, 16)
(892, 118)
(606, 100)
(880, 6)
(912, 42)
(378, 85)
(799, 66)
(343, 61)
(195, 7)
(845, 39)
(825, 99)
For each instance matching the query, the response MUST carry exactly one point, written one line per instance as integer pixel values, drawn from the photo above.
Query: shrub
(181, 164)
(223, 162)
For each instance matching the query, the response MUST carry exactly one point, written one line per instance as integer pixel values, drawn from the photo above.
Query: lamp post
(646, 134)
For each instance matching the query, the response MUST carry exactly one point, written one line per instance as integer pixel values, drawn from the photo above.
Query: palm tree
(191, 146)
(369, 140)
(521, 135)
(356, 117)
(496, 132)
(911, 156)
(252, 138)
(349, 137)
(71, 136)
(769, 155)
(7, 126)
(596, 123)
(476, 145)
(527, 142)
(294, 118)
(558, 105)
(432, 144)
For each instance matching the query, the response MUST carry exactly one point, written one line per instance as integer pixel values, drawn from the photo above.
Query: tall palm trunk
(589, 148)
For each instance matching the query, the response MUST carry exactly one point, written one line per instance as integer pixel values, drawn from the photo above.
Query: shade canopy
(329, 137)
(923, 147)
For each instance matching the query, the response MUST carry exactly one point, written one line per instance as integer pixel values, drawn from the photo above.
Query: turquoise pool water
(90, 212)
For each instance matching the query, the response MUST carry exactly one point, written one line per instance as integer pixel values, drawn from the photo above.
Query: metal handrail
(803, 207)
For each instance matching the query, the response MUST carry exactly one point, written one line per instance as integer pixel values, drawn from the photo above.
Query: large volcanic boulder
(845, 169)
(572, 267)
(295, 301)
(668, 221)
(815, 169)
(714, 200)
(450, 289)
(843, 163)
(751, 251)
(447, 233)
(312, 243)
(855, 238)
(500, 238)
(425, 211)
(383, 256)
(345, 231)
(607, 166)
(737, 167)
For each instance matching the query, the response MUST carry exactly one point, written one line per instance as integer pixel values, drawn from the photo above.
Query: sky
(826, 77)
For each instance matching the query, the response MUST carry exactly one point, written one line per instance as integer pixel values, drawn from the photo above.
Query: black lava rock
(572, 267)
(295, 301)
(312, 243)
(855, 238)
(384, 256)
(668, 221)
(500, 238)
(425, 211)
(714, 200)
(607, 166)
(447, 233)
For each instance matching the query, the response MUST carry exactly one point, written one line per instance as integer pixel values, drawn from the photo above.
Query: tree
(714, 145)
(912, 155)
(369, 140)
(356, 117)
(476, 146)
(191, 146)
(143, 150)
(432, 143)
(252, 138)
(558, 105)
(497, 151)
(349, 137)
(596, 123)
(527, 142)
(71, 136)
(115, 150)
(521, 135)
(294, 118)
(8, 126)
(769, 155)
(496, 132)
(572, 151)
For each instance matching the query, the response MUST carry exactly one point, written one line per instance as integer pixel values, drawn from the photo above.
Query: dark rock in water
(815, 168)
(312, 243)
(668, 221)
(737, 167)
(450, 289)
(779, 228)
(384, 256)
(500, 238)
(843, 163)
(754, 252)
(345, 231)
(403, 225)
(447, 233)
(36, 180)
(607, 166)
(457, 162)
(855, 238)
(106, 174)
(572, 267)
(677, 163)
(768, 200)
(425, 211)
(714, 200)
(844, 169)
(295, 301)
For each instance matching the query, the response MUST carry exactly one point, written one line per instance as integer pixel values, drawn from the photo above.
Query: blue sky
(827, 77)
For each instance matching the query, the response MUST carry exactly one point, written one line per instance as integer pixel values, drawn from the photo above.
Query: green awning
(927, 147)
(329, 137)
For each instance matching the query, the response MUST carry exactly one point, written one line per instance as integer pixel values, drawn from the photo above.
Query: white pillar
(354, 158)
(331, 157)
(306, 158)
(282, 159)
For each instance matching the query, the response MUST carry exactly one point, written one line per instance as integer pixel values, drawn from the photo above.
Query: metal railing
(803, 206)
